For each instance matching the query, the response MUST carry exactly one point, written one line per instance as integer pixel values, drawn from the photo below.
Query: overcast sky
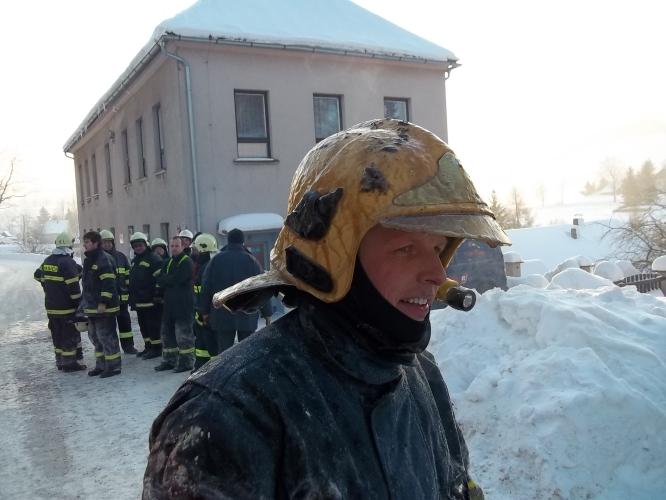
(545, 93)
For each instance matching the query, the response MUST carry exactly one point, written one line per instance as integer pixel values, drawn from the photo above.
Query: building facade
(201, 131)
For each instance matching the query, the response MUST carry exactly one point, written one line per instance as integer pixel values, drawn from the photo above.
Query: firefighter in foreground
(205, 340)
(145, 267)
(175, 279)
(338, 398)
(101, 304)
(59, 275)
(122, 271)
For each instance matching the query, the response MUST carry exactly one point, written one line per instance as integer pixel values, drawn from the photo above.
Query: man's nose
(433, 271)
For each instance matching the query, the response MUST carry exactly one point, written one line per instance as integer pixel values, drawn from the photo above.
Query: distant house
(213, 115)
(53, 228)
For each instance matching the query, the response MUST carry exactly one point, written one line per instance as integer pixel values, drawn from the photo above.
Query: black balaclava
(382, 327)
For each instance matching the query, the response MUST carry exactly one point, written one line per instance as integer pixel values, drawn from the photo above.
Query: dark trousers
(66, 340)
(102, 334)
(177, 340)
(205, 344)
(225, 338)
(125, 328)
(150, 323)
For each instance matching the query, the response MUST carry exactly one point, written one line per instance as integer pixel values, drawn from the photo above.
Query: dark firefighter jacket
(175, 279)
(142, 279)
(232, 265)
(200, 268)
(59, 276)
(122, 274)
(99, 283)
(301, 410)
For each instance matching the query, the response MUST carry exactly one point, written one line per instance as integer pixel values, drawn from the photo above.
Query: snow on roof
(659, 264)
(512, 257)
(250, 222)
(609, 270)
(56, 226)
(338, 25)
(554, 244)
(576, 279)
(335, 26)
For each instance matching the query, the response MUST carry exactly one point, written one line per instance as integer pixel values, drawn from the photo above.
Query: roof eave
(120, 84)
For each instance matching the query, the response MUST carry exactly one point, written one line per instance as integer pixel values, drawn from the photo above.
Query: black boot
(110, 373)
(153, 352)
(164, 366)
(130, 349)
(95, 371)
(76, 367)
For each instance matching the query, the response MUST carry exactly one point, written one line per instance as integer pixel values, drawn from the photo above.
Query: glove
(101, 308)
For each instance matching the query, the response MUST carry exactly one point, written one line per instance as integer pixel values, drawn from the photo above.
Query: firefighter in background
(101, 304)
(59, 276)
(186, 237)
(160, 248)
(175, 279)
(122, 271)
(143, 272)
(205, 340)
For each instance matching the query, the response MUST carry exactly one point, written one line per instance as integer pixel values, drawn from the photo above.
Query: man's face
(107, 245)
(139, 247)
(89, 245)
(176, 247)
(159, 251)
(185, 241)
(404, 267)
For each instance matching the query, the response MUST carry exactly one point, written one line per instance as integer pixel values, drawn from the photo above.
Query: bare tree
(643, 238)
(7, 185)
(613, 172)
(519, 214)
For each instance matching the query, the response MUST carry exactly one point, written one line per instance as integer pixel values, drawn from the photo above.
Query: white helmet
(186, 233)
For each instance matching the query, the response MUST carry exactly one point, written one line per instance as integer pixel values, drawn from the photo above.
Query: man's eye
(404, 250)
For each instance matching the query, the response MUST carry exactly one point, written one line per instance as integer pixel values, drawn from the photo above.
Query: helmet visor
(467, 226)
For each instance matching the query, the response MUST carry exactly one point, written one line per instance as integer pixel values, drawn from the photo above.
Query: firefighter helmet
(64, 239)
(386, 172)
(186, 233)
(158, 242)
(205, 243)
(105, 234)
(138, 236)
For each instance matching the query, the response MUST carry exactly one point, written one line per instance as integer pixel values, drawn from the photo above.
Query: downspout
(190, 119)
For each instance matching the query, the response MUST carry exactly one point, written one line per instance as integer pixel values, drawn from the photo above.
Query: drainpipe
(190, 119)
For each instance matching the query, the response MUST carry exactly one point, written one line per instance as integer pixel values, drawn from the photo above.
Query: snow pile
(533, 280)
(533, 266)
(577, 279)
(609, 270)
(561, 393)
(21, 297)
(659, 264)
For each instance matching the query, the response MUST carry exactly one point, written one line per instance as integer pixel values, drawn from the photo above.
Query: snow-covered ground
(561, 394)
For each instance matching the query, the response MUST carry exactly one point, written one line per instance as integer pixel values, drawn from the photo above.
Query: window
(107, 163)
(146, 231)
(93, 164)
(113, 230)
(87, 174)
(139, 147)
(82, 195)
(126, 159)
(160, 159)
(252, 124)
(130, 231)
(327, 115)
(396, 107)
(164, 231)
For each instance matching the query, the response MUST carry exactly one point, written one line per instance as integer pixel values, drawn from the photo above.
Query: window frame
(95, 183)
(338, 97)
(81, 191)
(158, 132)
(140, 154)
(86, 172)
(107, 163)
(405, 100)
(254, 140)
(124, 143)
